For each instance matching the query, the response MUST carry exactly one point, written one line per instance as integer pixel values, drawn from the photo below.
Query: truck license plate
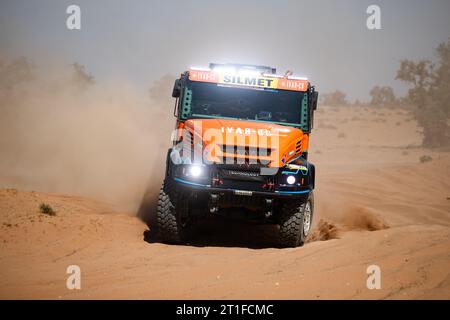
(243, 193)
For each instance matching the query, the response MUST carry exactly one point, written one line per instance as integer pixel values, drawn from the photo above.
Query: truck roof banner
(245, 80)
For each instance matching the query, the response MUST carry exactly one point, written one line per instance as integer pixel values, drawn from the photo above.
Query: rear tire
(295, 222)
(172, 214)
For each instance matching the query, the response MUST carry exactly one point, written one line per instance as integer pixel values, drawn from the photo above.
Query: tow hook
(269, 208)
(213, 201)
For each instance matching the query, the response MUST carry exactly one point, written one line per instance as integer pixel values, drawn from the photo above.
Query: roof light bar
(200, 69)
(246, 70)
(297, 78)
(240, 67)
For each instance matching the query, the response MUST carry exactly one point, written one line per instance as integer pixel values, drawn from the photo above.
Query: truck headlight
(291, 180)
(195, 171)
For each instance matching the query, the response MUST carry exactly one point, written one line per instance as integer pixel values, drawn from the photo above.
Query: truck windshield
(210, 100)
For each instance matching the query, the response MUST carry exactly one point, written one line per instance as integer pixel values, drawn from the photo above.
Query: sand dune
(376, 204)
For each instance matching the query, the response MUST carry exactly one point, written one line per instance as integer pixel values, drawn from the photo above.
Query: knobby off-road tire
(173, 224)
(295, 222)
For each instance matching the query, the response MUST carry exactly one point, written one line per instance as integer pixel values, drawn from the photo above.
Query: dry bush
(47, 209)
(425, 158)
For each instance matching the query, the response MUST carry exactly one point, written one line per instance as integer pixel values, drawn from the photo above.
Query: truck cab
(240, 142)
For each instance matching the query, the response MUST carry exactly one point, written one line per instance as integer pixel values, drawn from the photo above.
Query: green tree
(336, 98)
(81, 78)
(430, 94)
(14, 73)
(382, 96)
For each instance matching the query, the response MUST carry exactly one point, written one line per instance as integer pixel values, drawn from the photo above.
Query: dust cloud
(363, 218)
(348, 218)
(60, 131)
(325, 230)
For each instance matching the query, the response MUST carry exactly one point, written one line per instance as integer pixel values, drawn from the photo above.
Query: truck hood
(284, 142)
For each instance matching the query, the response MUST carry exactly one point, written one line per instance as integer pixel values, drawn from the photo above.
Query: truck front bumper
(299, 194)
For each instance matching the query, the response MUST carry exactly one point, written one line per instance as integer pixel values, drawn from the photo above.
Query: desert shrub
(425, 158)
(45, 208)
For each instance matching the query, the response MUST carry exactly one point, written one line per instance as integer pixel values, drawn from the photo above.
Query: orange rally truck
(240, 149)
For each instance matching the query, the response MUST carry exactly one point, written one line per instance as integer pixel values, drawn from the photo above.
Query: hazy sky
(141, 40)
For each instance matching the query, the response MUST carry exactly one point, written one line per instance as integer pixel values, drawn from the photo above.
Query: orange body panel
(280, 144)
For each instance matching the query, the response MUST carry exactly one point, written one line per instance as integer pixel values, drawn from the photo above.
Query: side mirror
(176, 89)
(315, 98)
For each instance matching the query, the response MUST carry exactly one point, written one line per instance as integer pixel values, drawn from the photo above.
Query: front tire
(295, 222)
(172, 215)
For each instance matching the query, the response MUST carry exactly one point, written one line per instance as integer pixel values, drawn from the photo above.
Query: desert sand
(376, 204)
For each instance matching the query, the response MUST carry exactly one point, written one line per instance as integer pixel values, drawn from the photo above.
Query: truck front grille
(245, 150)
(245, 155)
